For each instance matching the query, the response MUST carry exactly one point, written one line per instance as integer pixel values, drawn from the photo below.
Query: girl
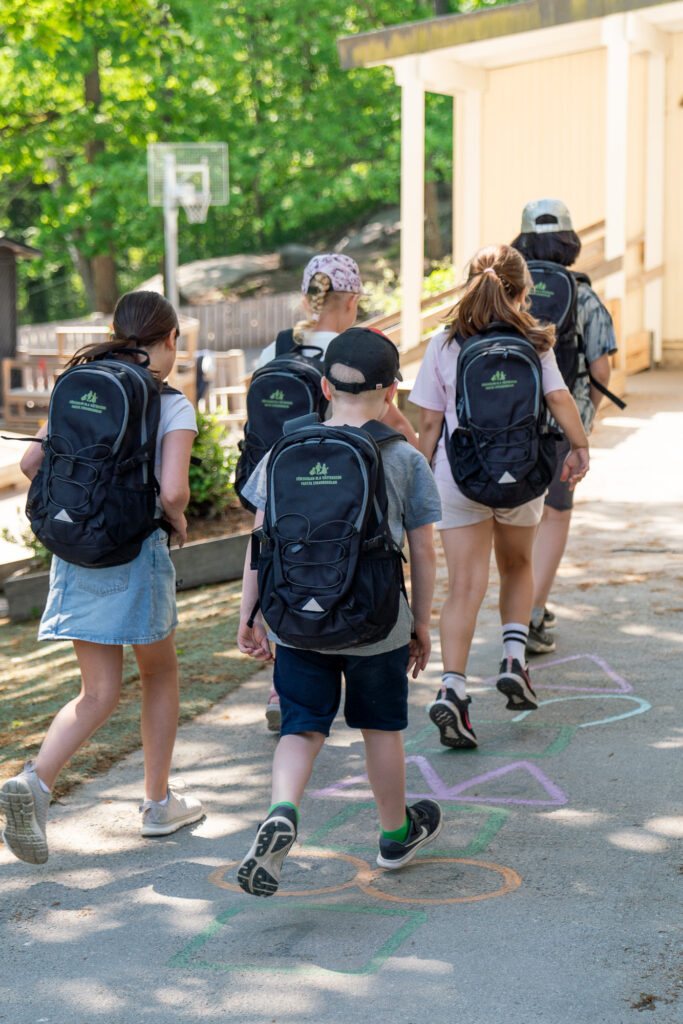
(496, 290)
(331, 288)
(102, 609)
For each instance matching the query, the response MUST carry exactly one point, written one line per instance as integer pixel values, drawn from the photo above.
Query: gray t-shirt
(413, 501)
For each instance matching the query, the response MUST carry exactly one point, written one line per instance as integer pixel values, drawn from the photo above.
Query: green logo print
(498, 380)
(277, 396)
(277, 400)
(541, 290)
(87, 403)
(317, 475)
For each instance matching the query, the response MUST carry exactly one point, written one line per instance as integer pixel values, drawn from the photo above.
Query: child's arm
(174, 485)
(563, 408)
(422, 577)
(252, 640)
(33, 456)
(431, 425)
(395, 419)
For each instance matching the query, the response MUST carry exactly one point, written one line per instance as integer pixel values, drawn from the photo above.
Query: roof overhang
(18, 248)
(514, 33)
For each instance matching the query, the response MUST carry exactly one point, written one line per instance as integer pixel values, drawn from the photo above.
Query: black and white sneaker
(513, 680)
(549, 619)
(259, 872)
(450, 715)
(539, 641)
(426, 820)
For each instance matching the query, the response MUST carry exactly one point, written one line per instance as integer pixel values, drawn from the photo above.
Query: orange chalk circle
(511, 881)
(362, 873)
(365, 878)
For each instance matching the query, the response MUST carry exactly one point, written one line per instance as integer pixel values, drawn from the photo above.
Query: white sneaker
(25, 804)
(162, 819)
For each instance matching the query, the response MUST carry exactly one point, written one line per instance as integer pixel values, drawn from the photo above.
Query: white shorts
(457, 510)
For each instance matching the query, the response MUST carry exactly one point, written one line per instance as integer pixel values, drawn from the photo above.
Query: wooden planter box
(214, 560)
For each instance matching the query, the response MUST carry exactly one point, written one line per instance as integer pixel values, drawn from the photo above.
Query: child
(309, 682)
(547, 234)
(101, 609)
(495, 292)
(331, 287)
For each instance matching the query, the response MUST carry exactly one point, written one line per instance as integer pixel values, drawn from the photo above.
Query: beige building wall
(673, 195)
(522, 161)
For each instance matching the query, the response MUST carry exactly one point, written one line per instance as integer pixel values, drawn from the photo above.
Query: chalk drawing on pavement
(621, 685)
(358, 787)
(194, 956)
(562, 735)
(641, 707)
(366, 879)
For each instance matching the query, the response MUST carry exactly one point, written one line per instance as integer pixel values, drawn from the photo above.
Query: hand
(253, 640)
(179, 526)
(575, 466)
(420, 649)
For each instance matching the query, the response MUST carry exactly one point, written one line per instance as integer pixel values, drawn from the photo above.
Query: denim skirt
(124, 604)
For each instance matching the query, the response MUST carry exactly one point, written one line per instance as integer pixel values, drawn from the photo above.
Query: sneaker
(513, 680)
(25, 804)
(549, 619)
(540, 641)
(259, 872)
(273, 713)
(426, 820)
(450, 716)
(162, 819)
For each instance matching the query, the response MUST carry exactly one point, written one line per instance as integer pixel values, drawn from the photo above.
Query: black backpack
(502, 453)
(330, 574)
(93, 499)
(285, 388)
(554, 299)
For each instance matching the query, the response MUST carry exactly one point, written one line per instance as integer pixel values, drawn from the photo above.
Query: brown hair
(496, 279)
(141, 319)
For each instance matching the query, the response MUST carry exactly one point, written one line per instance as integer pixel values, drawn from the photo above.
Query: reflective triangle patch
(507, 478)
(64, 516)
(312, 606)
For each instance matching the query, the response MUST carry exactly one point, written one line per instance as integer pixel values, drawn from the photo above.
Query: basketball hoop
(196, 206)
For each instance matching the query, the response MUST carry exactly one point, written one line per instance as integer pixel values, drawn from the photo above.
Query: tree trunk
(102, 266)
(432, 234)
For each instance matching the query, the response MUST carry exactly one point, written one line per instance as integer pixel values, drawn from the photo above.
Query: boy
(361, 369)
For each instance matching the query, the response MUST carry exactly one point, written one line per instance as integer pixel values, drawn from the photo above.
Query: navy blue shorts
(558, 495)
(309, 685)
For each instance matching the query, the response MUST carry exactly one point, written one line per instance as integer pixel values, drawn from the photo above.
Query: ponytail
(497, 277)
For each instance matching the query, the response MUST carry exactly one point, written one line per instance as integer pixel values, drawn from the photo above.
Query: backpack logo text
(87, 403)
(318, 474)
(277, 400)
(498, 380)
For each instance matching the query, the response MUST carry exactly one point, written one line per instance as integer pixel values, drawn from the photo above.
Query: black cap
(368, 351)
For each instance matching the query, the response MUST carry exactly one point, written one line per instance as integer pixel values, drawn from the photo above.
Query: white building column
(467, 126)
(615, 38)
(412, 198)
(654, 197)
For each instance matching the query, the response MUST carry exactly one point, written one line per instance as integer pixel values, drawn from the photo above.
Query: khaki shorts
(457, 510)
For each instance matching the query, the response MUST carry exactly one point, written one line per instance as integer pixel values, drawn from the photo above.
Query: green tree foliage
(88, 84)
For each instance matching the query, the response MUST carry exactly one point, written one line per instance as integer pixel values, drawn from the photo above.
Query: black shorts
(558, 495)
(309, 686)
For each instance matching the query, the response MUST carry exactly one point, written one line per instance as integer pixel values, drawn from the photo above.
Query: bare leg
(549, 546)
(386, 766)
(468, 552)
(101, 667)
(513, 546)
(158, 665)
(293, 764)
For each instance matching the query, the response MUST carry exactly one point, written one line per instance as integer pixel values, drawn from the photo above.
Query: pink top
(434, 386)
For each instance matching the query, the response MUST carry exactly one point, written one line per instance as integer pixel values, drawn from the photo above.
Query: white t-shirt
(177, 413)
(320, 339)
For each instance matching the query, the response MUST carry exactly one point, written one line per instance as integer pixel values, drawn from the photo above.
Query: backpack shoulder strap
(166, 389)
(311, 419)
(580, 277)
(382, 434)
(284, 342)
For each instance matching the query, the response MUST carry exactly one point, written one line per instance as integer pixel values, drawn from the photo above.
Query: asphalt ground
(552, 894)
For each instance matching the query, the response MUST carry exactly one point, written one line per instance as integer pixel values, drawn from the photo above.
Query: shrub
(40, 556)
(211, 479)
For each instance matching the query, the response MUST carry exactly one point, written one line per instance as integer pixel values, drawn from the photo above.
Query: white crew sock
(515, 636)
(455, 681)
(537, 615)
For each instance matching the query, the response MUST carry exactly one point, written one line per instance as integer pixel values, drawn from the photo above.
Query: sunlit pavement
(549, 896)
